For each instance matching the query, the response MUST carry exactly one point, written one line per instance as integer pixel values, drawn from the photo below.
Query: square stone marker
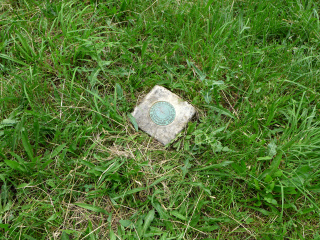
(162, 114)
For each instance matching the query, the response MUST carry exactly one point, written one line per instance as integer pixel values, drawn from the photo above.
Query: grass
(72, 164)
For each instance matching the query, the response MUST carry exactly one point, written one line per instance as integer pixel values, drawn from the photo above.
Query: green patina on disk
(162, 113)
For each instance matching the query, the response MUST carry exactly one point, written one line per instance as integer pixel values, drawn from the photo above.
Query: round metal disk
(162, 113)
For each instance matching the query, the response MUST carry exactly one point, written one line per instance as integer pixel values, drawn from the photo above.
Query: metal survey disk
(162, 114)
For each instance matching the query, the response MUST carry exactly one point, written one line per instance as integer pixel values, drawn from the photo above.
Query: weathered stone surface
(163, 133)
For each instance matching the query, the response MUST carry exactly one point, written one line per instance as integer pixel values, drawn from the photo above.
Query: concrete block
(162, 114)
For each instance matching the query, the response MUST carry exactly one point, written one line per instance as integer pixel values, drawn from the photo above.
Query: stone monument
(162, 114)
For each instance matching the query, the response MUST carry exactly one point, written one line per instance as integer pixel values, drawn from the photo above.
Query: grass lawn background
(72, 165)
